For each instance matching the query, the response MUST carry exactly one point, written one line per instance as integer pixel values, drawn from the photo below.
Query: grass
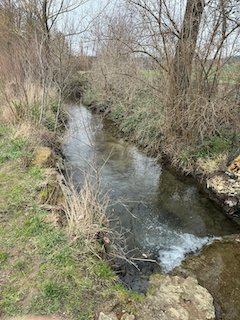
(209, 155)
(143, 121)
(102, 271)
(12, 149)
(229, 73)
(42, 266)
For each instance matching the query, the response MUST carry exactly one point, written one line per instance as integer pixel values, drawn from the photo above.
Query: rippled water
(168, 217)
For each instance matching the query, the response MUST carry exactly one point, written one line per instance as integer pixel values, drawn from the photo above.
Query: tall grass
(86, 213)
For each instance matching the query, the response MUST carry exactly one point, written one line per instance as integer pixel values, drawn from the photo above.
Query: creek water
(167, 217)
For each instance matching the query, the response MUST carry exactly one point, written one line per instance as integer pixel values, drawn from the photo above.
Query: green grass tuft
(102, 271)
(13, 149)
(3, 256)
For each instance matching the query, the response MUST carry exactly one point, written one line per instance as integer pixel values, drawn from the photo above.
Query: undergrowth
(144, 120)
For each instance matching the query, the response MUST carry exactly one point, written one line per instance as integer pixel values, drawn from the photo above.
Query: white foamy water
(168, 245)
(178, 247)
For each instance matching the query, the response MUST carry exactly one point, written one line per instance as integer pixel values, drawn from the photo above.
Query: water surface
(167, 217)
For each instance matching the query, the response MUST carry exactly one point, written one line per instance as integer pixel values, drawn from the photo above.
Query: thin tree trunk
(58, 109)
(42, 103)
(45, 26)
(39, 51)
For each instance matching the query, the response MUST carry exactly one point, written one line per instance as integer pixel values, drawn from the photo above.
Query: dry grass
(85, 212)
(19, 102)
(34, 135)
(211, 165)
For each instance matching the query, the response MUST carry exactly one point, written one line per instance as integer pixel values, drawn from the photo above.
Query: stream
(166, 215)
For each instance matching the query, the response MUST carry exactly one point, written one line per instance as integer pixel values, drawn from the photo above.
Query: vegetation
(51, 235)
(165, 76)
(143, 117)
(169, 80)
(48, 267)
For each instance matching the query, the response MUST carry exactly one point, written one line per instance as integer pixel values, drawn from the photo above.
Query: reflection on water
(169, 217)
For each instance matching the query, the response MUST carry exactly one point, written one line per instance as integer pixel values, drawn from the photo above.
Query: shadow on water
(167, 217)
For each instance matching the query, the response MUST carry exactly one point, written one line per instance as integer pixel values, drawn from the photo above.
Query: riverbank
(45, 266)
(59, 270)
(214, 170)
(207, 161)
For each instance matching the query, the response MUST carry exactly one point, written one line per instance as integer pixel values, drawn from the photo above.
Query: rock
(176, 298)
(231, 203)
(217, 269)
(102, 316)
(226, 194)
(128, 316)
(44, 157)
(111, 316)
(230, 174)
(235, 165)
(113, 303)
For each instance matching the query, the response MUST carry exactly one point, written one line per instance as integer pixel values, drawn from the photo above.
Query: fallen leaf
(119, 315)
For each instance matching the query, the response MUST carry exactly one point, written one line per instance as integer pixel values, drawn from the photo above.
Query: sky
(88, 14)
(77, 21)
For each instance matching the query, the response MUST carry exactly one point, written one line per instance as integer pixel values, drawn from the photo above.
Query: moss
(45, 194)
(43, 157)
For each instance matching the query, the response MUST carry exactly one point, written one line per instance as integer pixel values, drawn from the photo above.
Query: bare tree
(32, 27)
(45, 14)
(188, 45)
(181, 69)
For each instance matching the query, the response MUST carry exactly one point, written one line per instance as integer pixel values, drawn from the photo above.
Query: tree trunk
(181, 69)
(58, 109)
(45, 25)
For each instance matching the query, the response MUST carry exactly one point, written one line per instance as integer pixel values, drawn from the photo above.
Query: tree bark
(181, 68)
